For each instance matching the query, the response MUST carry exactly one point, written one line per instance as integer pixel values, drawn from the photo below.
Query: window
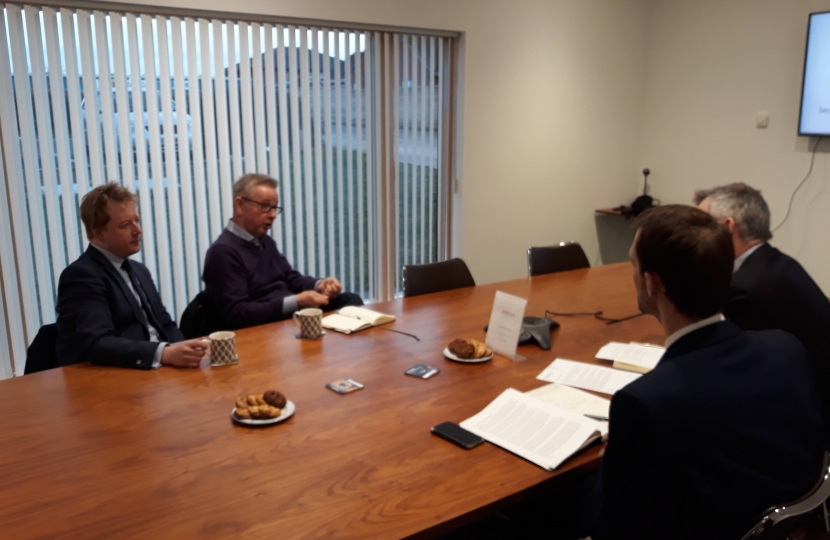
(354, 124)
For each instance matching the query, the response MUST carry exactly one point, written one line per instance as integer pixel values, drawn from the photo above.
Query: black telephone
(641, 203)
(536, 330)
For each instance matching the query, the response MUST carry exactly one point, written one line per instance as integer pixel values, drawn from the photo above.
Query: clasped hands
(326, 289)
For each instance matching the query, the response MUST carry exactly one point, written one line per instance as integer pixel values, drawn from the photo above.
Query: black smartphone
(457, 435)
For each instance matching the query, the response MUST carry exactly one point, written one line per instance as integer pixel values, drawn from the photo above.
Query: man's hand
(330, 287)
(311, 299)
(184, 353)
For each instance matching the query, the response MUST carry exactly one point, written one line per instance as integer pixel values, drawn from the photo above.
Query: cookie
(274, 398)
(462, 348)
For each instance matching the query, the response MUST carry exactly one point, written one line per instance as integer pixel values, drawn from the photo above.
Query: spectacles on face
(264, 207)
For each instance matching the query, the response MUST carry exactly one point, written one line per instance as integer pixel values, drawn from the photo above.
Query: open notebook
(540, 432)
(636, 357)
(352, 319)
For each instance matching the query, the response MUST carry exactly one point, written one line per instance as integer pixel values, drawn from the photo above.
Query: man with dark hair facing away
(109, 311)
(727, 424)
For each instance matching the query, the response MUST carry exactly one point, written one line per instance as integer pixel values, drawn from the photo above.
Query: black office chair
(41, 354)
(201, 317)
(815, 498)
(436, 277)
(550, 259)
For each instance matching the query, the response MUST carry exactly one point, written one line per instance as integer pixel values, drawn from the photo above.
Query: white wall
(712, 66)
(551, 111)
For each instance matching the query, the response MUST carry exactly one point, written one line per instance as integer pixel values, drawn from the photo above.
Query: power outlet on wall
(762, 120)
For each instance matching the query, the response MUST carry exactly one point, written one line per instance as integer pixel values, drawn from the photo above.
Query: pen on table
(596, 417)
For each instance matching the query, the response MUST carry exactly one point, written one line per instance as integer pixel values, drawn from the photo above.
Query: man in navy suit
(769, 289)
(109, 311)
(727, 424)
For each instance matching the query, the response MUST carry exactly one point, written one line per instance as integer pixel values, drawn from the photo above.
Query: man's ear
(654, 285)
(730, 224)
(237, 205)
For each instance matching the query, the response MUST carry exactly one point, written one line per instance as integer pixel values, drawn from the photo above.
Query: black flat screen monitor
(814, 119)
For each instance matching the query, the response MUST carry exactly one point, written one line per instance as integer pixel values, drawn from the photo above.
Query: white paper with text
(574, 400)
(505, 325)
(635, 354)
(587, 376)
(541, 433)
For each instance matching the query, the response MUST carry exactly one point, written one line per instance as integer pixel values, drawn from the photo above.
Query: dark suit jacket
(727, 425)
(99, 319)
(771, 290)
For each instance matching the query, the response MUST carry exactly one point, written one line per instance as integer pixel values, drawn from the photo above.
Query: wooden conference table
(94, 452)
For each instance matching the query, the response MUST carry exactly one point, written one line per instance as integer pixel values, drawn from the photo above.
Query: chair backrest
(550, 259)
(436, 277)
(813, 499)
(41, 354)
(201, 317)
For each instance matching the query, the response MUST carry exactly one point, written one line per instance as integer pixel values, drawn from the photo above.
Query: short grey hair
(742, 203)
(243, 186)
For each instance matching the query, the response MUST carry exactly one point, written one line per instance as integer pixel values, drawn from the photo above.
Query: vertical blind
(353, 124)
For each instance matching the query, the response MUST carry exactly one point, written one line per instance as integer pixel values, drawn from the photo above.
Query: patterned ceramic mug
(223, 349)
(310, 321)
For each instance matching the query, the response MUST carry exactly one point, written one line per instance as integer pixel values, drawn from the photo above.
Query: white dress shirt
(716, 318)
(744, 256)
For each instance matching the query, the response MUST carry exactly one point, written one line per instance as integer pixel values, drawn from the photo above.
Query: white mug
(310, 321)
(222, 348)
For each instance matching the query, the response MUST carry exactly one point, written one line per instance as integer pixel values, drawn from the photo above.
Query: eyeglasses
(263, 207)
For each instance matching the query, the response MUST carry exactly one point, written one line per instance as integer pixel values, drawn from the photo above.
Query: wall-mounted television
(814, 119)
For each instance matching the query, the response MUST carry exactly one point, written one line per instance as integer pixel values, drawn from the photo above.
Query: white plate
(287, 412)
(450, 356)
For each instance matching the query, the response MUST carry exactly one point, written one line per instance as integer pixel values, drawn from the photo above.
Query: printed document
(638, 357)
(540, 432)
(576, 401)
(587, 376)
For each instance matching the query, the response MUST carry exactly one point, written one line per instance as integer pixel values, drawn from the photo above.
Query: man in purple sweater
(246, 276)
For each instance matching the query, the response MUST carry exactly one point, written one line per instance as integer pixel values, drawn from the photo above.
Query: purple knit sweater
(249, 282)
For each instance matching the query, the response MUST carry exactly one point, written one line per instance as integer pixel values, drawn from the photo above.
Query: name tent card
(505, 325)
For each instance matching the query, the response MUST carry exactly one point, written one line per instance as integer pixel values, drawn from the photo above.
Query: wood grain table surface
(97, 452)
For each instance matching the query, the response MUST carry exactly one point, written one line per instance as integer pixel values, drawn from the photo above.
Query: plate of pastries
(470, 351)
(270, 407)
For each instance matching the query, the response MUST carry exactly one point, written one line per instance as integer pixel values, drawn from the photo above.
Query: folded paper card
(353, 319)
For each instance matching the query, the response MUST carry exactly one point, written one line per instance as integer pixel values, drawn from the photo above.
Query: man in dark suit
(770, 289)
(109, 311)
(727, 424)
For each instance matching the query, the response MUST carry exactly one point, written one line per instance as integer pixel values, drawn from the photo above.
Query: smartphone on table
(457, 435)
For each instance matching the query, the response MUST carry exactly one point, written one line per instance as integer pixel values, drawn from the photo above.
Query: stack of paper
(575, 401)
(540, 432)
(586, 376)
(636, 357)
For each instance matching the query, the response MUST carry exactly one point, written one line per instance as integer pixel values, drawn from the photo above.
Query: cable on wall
(809, 171)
